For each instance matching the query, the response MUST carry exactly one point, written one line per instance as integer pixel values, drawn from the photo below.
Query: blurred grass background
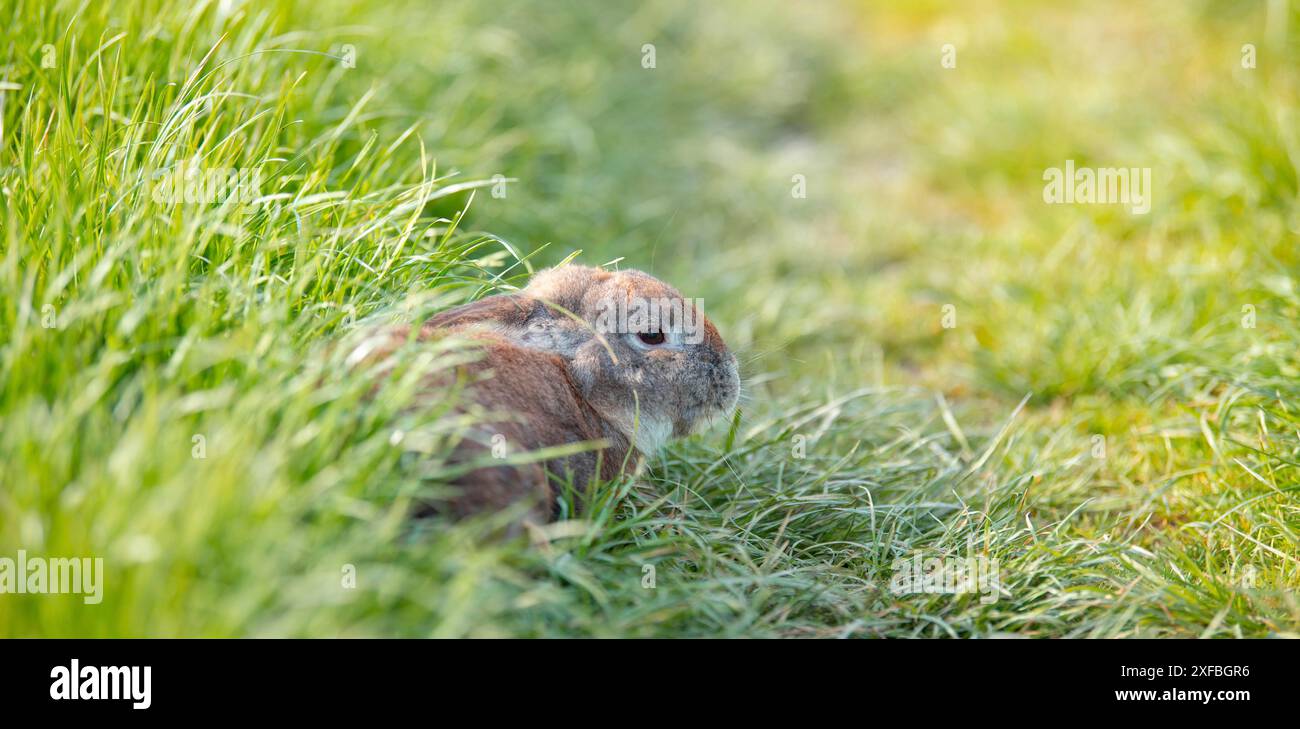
(924, 190)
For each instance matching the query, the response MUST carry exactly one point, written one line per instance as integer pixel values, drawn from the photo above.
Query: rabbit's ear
(505, 309)
(590, 368)
(566, 286)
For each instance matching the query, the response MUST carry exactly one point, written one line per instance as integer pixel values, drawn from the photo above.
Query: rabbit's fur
(557, 369)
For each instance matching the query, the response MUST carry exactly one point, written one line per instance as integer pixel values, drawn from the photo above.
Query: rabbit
(581, 354)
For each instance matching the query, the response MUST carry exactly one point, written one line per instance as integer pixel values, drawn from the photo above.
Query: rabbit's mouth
(726, 387)
(723, 393)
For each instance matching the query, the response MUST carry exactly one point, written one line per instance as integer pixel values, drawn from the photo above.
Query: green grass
(1099, 420)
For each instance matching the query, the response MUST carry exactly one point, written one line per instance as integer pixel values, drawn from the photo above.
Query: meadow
(937, 363)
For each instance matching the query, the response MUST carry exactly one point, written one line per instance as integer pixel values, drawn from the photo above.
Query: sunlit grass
(1104, 420)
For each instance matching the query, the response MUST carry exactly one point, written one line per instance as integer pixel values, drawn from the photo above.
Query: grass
(1114, 417)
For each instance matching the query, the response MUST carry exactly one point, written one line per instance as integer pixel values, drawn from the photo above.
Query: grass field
(937, 363)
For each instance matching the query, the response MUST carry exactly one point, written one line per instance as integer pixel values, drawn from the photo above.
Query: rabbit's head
(646, 359)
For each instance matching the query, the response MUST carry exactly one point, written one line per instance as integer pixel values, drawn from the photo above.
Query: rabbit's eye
(651, 338)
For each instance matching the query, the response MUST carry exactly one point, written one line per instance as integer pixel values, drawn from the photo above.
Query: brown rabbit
(580, 355)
